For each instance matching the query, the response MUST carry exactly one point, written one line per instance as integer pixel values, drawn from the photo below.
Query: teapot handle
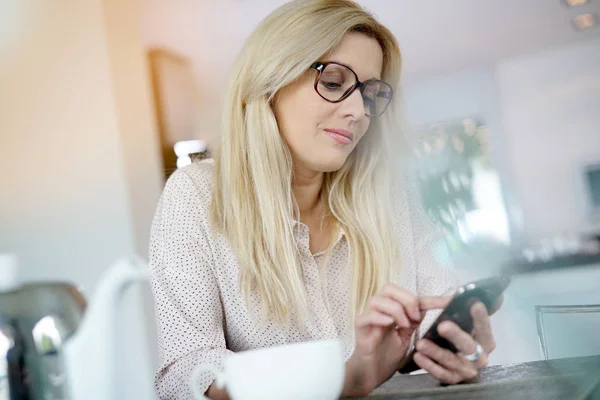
(201, 368)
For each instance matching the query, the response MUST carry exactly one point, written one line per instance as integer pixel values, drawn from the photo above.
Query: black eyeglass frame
(320, 67)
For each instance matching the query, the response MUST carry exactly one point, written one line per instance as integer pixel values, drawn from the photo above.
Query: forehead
(361, 53)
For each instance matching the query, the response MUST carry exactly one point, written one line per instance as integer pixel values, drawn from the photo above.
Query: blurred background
(100, 100)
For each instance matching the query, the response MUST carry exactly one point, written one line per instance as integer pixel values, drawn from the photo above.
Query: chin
(330, 164)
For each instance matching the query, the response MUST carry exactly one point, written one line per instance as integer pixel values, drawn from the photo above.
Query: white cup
(300, 371)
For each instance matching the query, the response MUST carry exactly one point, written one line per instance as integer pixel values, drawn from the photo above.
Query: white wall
(135, 110)
(80, 169)
(470, 93)
(64, 196)
(550, 104)
(543, 111)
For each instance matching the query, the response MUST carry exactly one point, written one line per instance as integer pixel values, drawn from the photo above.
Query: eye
(330, 85)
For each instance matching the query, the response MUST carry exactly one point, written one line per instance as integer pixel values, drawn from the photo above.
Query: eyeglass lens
(336, 80)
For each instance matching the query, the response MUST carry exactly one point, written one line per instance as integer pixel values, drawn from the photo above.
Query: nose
(353, 106)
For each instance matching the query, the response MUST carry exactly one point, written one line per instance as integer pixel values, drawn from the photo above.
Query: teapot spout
(94, 343)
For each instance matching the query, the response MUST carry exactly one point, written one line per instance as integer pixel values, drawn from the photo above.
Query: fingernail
(421, 345)
(389, 320)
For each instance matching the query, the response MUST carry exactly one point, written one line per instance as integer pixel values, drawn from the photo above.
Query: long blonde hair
(252, 202)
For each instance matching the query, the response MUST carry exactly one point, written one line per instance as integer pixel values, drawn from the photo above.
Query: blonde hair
(252, 202)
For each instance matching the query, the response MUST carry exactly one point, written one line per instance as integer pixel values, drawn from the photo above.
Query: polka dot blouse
(200, 310)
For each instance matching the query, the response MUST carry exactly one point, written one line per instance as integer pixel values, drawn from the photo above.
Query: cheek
(364, 127)
(300, 115)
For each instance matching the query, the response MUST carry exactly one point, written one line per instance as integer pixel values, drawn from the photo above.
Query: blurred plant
(445, 153)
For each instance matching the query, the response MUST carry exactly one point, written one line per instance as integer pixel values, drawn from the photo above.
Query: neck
(306, 187)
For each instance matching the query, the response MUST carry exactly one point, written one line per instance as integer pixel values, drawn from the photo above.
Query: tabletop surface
(568, 378)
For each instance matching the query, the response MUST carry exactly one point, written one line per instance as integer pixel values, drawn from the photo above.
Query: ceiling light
(574, 3)
(585, 21)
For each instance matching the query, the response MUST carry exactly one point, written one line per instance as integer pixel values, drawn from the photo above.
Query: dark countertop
(561, 379)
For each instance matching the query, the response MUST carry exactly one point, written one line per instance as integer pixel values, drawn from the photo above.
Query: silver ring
(475, 355)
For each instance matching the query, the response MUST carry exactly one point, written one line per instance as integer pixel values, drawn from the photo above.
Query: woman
(294, 232)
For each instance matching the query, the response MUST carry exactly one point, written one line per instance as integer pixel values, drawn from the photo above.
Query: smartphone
(488, 291)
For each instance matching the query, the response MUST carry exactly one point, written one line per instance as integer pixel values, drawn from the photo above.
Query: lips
(341, 135)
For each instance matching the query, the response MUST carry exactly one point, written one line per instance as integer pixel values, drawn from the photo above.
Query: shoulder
(199, 174)
(186, 196)
(192, 180)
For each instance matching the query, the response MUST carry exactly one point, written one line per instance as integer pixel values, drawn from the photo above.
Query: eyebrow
(349, 66)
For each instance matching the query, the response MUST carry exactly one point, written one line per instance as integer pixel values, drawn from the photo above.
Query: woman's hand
(453, 368)
(383, 333)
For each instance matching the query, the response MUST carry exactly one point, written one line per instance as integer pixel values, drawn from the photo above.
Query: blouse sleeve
(435, 273)
(188, 309)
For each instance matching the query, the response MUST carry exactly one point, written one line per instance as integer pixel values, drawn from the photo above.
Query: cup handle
(199, 369)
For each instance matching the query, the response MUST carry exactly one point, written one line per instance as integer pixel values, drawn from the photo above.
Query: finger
(409, 301)
(391, 307)
(447, 359)
(463, 341)
(373, 318)
(433, 302)
(435, 370)
(482, 328)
